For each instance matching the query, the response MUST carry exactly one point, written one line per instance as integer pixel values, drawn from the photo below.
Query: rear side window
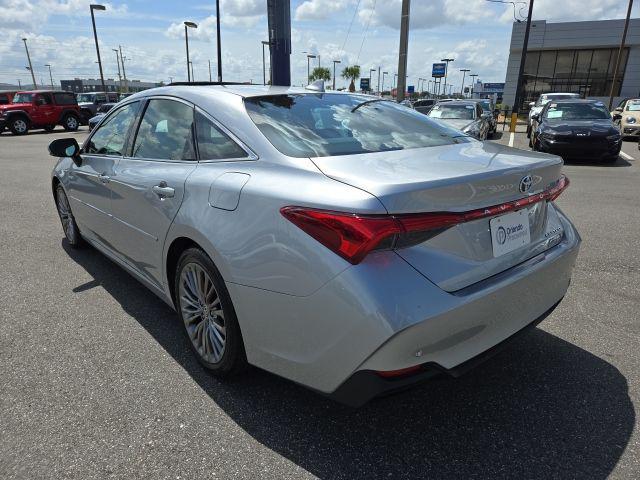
(4, 99)
(65, 98)
(165, 132)
(213, 143)
(324, 124)
(110, 137)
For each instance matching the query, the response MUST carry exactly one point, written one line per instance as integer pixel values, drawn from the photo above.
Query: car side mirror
(66, 147)
(532, 104)
(617, 116)
(618, 109)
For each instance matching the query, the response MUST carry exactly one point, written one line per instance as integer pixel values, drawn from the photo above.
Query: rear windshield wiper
(367, 102)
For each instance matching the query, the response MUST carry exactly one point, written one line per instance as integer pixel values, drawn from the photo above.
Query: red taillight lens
(353, 236)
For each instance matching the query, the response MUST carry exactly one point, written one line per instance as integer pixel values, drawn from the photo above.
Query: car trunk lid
(456, 178)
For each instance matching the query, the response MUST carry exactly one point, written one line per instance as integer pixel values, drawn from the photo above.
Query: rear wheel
(69, 225)
(70, 122)
(19, 126)
(204, 305)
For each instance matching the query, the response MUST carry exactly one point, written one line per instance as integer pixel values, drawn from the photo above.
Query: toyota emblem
(525, 183)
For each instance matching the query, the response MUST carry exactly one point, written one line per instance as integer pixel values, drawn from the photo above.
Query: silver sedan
(344, 242)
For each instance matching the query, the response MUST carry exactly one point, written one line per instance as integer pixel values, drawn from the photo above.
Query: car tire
(209, 319)
(19, 126)
(49, 128)
(531, 144)
(528, 131)
(69, 225)
(70, 122)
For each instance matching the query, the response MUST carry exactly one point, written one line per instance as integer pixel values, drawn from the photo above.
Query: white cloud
(319, 9)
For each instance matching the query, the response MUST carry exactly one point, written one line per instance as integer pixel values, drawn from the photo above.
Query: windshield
(23, 98)
(448, 111)
(324, 124)
(544, 99)
(633, 106)
(577, 111)
(85, 97)
(486, 105)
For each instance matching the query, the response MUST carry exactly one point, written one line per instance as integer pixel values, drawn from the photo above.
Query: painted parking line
(511, 137)
(626, 156)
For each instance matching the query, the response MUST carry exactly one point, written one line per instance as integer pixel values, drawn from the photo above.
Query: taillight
(354, 236)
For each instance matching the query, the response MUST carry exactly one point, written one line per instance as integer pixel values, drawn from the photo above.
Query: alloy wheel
(20, 126)
(66, 217)
(202, 312)
(72, 123)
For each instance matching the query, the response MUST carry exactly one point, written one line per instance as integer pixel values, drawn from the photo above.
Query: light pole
(334, 72)
(264, 68)
(209, 63)
(93, 7)
(619, 56)
(118, 62)
(473, 80)
(188, 25)
(193, 78)
(50, 76)
(446, 70)
(383, 74)
(33, 76)
(395, 75)
(464, 72)
(309, 57)
(520, 80)
(124, 72)
(371, 72)
(218, 40)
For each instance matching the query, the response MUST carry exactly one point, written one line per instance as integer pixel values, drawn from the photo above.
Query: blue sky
(474, 32)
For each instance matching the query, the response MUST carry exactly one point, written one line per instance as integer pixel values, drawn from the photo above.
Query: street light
(30, 67)
(371, 72)
(93, 7)
(264, 68)
(309, 57)
(218, 41)
(446, 70)
(50, 76)
(473, 81)
(464, 72)
(395, 75)
(118, 62)
(383, 74)
(334, 72)
(188, 25)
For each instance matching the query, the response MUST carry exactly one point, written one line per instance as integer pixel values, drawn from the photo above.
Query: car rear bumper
(382, 316)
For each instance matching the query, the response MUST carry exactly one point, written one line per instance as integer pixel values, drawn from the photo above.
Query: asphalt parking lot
(97, 380)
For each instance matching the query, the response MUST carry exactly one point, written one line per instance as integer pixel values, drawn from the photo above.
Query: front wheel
(69, 225)
(204, 305)
(19, 126)
(70, 123)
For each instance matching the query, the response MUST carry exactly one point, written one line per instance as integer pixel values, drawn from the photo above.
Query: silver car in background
(349, 244)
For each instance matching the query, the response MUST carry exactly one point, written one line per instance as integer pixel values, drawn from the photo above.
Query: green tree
(320, 73)
(351, 73)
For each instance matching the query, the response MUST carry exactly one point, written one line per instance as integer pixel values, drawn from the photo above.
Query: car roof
(577, 100)
(42, 91)
(459, 102)
(560, 93)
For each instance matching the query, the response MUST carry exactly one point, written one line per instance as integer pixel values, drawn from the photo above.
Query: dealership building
(80, 85)
(574, 57)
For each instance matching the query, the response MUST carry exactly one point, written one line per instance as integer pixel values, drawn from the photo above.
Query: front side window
(213, 144)
(44, 99)
(325, 124)
(165, 132)
(110, 137)
(577, 111)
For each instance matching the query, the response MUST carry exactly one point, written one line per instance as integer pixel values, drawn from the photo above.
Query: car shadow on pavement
(542, 408)
(620, 162)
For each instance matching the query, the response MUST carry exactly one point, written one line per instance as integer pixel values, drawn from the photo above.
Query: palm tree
(320, 73)
(351, 73)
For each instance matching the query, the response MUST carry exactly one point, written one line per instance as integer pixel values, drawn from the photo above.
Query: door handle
(104, 178)
(163, 191)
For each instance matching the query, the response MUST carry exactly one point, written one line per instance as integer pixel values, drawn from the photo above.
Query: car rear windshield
(325, 124)
(448, 111)
(577, 111)
(23, 98)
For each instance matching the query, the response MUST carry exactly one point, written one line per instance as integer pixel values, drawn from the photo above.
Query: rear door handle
(104, 178)
(163, 191)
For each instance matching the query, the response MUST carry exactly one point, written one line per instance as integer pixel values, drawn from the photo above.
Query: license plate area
(509, 232)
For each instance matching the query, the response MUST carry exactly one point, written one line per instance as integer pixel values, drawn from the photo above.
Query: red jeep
(40, 109)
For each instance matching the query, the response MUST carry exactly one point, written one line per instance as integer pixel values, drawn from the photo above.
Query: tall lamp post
(93, 7)
(309, 57)
(619, 56)
(334, 72)
(264, 68)
(33, 75)
(464, 72)
(50, 75)
(371, 72)
(218, 40)
(473, 82)
(383, 74)
(446, 70)
(188, 25)
(118, 62)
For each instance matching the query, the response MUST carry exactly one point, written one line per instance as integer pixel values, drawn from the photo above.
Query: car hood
(15, 106)
(600, 127)
(456, 123)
